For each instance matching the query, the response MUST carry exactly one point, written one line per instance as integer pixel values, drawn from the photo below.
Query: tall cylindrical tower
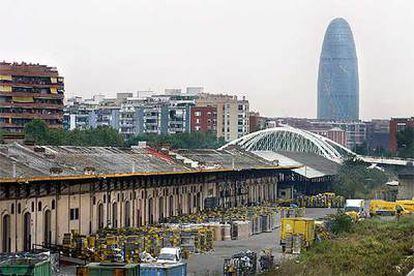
(338, 83)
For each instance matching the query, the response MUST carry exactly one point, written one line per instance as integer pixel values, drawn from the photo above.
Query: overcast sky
(267, 50)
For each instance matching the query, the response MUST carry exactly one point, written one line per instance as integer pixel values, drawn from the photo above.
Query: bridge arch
(286, 138)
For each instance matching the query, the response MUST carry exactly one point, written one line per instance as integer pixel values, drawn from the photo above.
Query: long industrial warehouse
(46, 192)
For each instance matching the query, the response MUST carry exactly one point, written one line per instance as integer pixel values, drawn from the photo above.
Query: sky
(265, 50)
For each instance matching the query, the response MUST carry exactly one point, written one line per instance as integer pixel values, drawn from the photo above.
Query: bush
(341, 223)
(371, 247)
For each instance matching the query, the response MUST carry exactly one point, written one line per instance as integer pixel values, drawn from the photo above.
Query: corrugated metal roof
(63, 161)
(311, 165)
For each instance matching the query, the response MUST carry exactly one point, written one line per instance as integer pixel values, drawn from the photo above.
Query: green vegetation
(355, 180)
(341, 223)
(370, 247)
(1, 136)
(195, 140)
(405, 142)
(36, 131)
(365, 149)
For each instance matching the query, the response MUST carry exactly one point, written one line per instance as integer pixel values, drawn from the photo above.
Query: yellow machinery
(292, 228)
(382, 207)
(408, 205)
(353, 215)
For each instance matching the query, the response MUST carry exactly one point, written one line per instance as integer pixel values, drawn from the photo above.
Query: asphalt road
(212, 263)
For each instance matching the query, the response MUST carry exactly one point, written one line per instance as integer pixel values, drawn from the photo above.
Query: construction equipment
(382, 207)
(294, 229)
(408, 205)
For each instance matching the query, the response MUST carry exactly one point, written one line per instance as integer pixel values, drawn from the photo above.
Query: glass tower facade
(338, 83)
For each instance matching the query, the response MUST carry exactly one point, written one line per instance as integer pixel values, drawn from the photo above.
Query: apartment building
(243, 117)
(27, 92)
(97, 111)
(158, 114)
(396, 125)
(171, 112)
(204, 119)
(231, 113)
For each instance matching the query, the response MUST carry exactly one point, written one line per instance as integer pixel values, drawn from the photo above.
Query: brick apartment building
(396, 125)
(27, 92)
(203, 119)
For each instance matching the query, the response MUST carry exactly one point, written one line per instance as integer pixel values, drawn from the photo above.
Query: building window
(197, 121)
(53, 204)
(39, 206)
(74, 213)
(12, 209)
(197, 113)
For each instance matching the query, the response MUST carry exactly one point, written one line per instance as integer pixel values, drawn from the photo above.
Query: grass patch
(371, 247)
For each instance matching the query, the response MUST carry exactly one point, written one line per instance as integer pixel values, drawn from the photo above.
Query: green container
(25, 267)
(110, 269)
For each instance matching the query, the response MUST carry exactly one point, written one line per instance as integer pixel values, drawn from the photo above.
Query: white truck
(169, 255)
(355, 205)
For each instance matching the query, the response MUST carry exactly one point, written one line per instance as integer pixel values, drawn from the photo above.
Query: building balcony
(28, 84)
(32, 105)
(32, 116)
(34, 95)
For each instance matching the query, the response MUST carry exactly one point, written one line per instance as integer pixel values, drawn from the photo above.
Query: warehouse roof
(311, 165)
(29, 162)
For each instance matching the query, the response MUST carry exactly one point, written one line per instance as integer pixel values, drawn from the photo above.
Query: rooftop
(29, 162)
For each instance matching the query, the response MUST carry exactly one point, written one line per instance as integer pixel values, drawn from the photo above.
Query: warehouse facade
(39, 210)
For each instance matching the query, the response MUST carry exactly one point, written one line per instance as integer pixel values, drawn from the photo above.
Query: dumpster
(110, 269)
(29, 267)
(302, 227)
(163, 269)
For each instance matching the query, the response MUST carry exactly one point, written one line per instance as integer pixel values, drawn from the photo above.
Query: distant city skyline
(268, 52)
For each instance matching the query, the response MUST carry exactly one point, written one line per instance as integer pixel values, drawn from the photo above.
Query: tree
(356, 180)
(37, 132)
(2, 132)
(195, 140)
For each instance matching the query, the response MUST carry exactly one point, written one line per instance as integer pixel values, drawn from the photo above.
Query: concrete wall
(406, 188)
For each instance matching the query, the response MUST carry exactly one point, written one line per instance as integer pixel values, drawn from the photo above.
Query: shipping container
(109, 269)
(157, 269)
(304, 227)
(29, 267)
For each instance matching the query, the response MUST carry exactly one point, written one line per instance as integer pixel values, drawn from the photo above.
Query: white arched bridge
(289, 139)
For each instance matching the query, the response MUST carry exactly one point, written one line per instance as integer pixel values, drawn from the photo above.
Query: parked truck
(355, 208)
